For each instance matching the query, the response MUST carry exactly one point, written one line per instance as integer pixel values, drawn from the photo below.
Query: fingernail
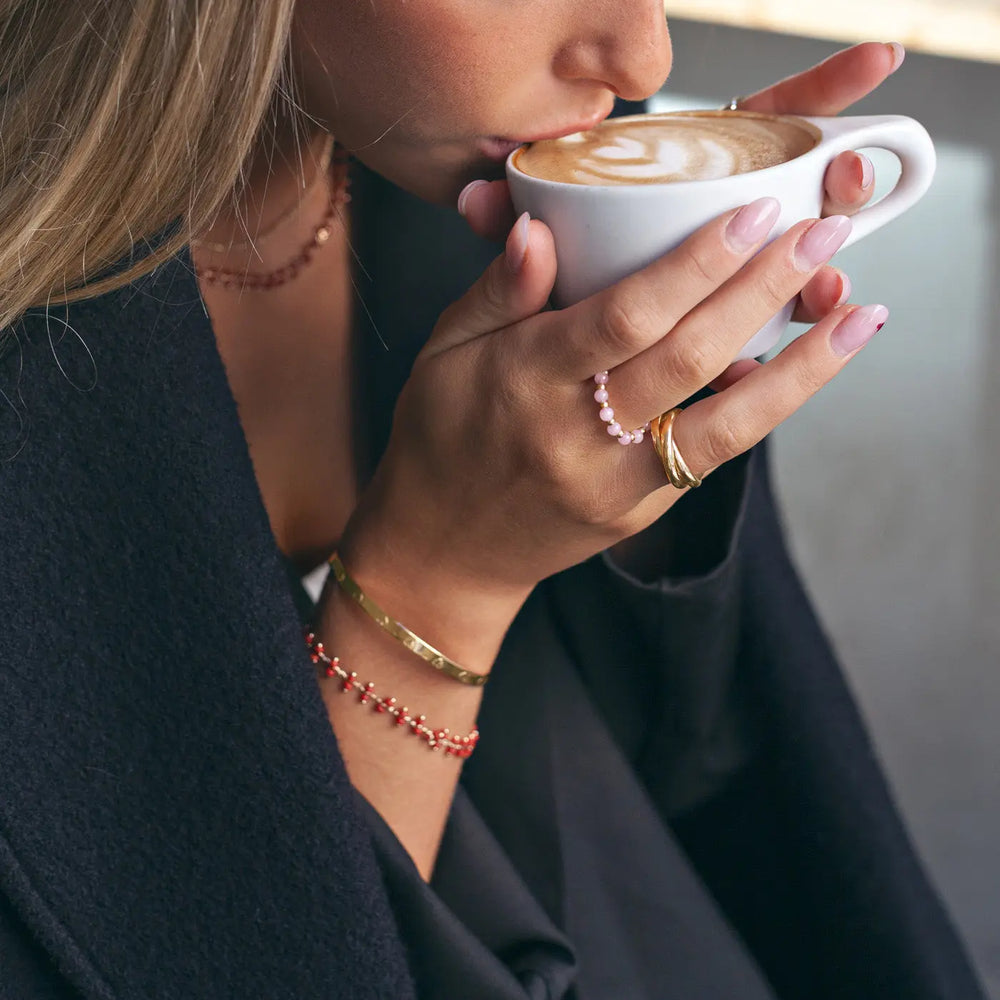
(517, 244)
(822, 241)
(847, 288)
(857, 329)
(751, 224)
(463, 198)
(867, 172)
(898, 55)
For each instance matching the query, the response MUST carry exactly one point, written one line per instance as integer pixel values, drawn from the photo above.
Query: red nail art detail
(857, 328)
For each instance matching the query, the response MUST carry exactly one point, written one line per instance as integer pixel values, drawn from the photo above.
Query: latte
(667, 148)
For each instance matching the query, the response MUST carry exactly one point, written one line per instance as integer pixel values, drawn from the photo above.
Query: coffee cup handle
(904, 137)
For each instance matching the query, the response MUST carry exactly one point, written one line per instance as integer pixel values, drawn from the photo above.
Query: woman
(673, 795)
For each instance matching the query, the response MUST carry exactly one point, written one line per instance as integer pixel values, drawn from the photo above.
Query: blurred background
(890, 478)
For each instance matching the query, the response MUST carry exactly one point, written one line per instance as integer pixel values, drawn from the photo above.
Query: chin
(437, 179)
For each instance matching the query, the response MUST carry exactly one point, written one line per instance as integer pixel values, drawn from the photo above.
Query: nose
(622, 44)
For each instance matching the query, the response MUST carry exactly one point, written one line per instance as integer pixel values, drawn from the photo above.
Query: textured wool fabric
(175, 820)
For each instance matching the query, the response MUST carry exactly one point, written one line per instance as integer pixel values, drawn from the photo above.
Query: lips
(498, 148)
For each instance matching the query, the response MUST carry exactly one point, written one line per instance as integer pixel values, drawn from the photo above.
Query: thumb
(515, 286)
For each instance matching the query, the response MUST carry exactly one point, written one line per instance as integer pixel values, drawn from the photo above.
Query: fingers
(615, 325)
(827, 290)
(515, 286)
(703, 344)
(833, 85)
(732, 375)
(486, 207)
(718, 428)
(849, 184)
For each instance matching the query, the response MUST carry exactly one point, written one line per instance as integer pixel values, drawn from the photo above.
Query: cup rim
(804, 123)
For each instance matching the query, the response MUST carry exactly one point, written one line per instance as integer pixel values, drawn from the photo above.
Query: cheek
(444, 80)
(435, 67)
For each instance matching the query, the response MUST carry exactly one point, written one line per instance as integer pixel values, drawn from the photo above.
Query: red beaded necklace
(242, 279)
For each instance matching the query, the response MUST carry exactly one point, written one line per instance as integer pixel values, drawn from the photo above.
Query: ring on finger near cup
(607, 414)
(677, 470)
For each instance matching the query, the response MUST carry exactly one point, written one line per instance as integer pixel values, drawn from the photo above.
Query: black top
(673, 795)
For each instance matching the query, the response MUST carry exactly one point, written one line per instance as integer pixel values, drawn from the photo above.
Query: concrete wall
(891, 477)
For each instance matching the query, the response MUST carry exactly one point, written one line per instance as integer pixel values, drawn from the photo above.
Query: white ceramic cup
(603, 233)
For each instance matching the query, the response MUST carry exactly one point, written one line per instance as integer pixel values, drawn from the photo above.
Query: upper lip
(581, 126)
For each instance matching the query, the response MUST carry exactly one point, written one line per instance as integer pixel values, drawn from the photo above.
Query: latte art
(661, 149)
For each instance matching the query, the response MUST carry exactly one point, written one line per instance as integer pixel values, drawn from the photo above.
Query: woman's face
(435, 93)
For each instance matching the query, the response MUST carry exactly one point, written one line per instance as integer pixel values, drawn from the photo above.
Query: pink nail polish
(846, 288)
(516, 248)
(857, 329)
(463, 198)
(822, 241)
(867, 172)
(751, 224)
(898, 55)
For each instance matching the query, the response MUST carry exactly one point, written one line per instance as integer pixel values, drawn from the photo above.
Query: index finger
(833, 85)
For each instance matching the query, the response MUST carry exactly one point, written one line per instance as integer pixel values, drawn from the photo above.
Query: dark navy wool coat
(175, 818)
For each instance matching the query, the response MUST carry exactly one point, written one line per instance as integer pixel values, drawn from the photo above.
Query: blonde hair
(118, 117)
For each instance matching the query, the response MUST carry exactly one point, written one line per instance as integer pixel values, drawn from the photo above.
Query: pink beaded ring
(607, 414)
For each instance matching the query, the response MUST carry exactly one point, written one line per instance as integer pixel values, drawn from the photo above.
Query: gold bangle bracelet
(400, 632)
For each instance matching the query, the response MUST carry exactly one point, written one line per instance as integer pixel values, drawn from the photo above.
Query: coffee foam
(661, 149)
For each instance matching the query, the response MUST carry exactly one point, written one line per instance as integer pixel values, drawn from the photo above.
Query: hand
(499, 472)
(826, 89)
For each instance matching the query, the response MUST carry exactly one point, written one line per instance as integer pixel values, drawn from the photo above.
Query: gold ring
(678, 473)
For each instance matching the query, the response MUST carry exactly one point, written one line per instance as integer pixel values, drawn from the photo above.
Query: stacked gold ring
(662, 431)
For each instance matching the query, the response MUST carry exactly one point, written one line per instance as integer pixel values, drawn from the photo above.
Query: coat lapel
(175, 819)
